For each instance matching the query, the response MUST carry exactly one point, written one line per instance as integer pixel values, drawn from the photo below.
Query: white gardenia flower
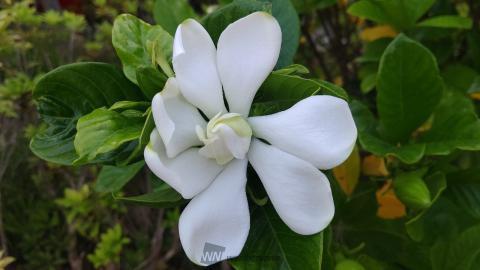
(207, 161)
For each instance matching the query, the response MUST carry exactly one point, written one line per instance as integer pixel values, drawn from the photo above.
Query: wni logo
(212, 253)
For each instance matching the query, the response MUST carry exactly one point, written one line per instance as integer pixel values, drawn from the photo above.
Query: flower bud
(412, 190)
(349, 265)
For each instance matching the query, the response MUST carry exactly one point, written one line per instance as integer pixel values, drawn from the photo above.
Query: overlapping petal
(299, 192)
(176, 119)
(318, 129)
(188, 173)
(248, 50)
(195, 65)
(217, 216)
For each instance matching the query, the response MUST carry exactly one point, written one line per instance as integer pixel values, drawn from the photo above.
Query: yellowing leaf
(374, 166)
(423, 128)
(475, 96)
(348, 172)
(389, 206)
(338, 80)
(376, 32)
(5, 260)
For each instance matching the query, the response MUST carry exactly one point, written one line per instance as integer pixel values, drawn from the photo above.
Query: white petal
(299, 192)
(215, 148)
(237, 145)
(248, 50)
(194, 61)
(219, 216)
(318, 129)
(188, 173)
(176, 119)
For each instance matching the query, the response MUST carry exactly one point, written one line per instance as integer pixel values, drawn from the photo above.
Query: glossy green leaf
(287, 17)
(272, 245)
(218, 20)
(163, 196)
(447, 21)
(148, 127)
(409, 88)
(461, 252)
(138, 43)
(103, 131)
(372, 142)
(372, 51)
(294, 69)
(455, 126)
(113, 178)
(401, 14)
(408, 153)
(170, 13)
(459, 77)
(143, 140)
(464, 191)
(279, 92)
(150, 80)
(123, 105)
(282, 10)
(66, 94)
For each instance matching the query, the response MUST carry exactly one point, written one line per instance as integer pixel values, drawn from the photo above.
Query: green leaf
(272, 245)
(69, 92)
(294, 69)
(279, 92)
(218, 20)
(144, 138)
(401, 14)
(447, 21)
(464, 190)
(368, 83)
(373, 51)
(373, 143)
(150, 80)
(461, 252)
(147, 129)
(164, 196)
(103, 131)
(138, 43)
(409, 88)
(113, 178)
(282, 10)
(170, 13)
(332, 89)
(124, 105)
(459, 77)
(287, 17)
(455, 126)
(408, 153)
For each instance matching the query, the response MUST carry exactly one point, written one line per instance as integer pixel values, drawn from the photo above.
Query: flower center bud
(227, 137)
